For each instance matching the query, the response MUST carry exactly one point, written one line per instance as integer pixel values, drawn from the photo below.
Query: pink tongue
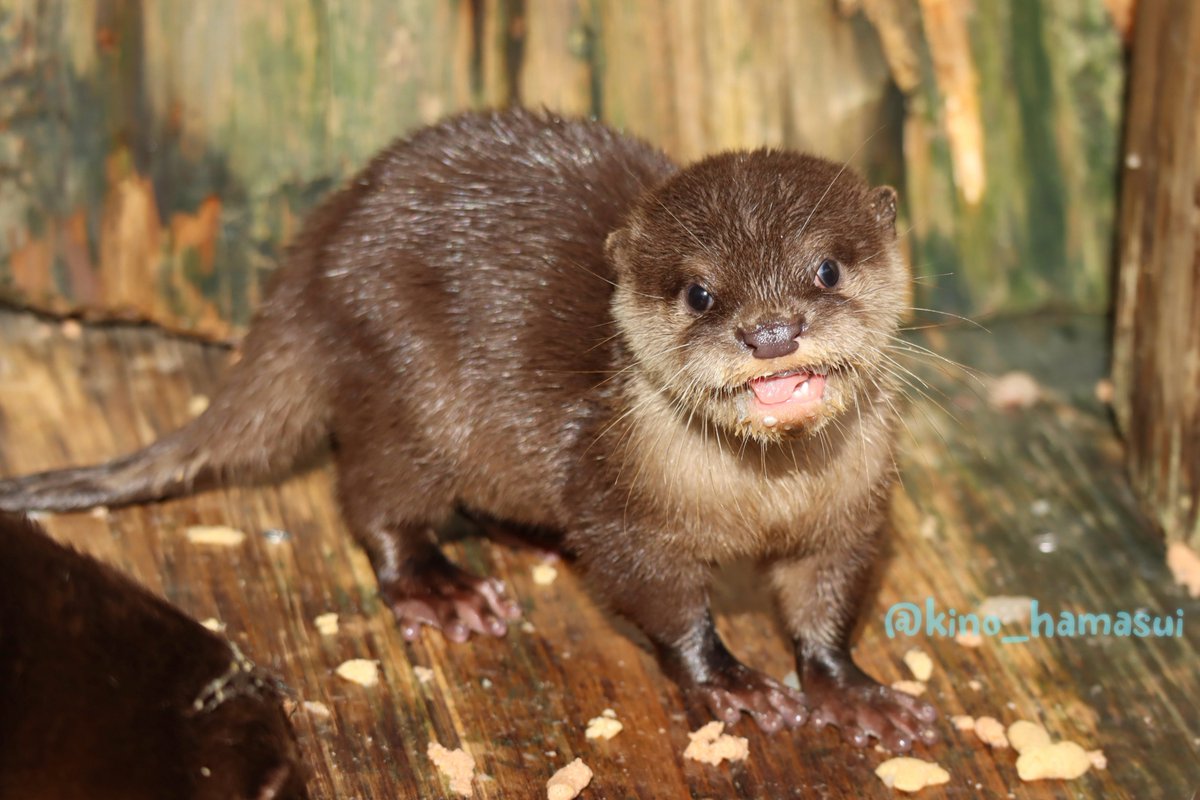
(778, 389)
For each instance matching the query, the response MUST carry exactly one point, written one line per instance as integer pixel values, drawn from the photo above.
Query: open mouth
(787, 397)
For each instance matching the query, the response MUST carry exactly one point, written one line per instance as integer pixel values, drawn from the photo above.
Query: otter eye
(698, 298)
(828, 274)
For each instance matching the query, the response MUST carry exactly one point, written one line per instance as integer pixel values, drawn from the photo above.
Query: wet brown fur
(490, 315)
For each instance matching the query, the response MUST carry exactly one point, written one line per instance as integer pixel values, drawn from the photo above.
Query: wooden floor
(1030, 503)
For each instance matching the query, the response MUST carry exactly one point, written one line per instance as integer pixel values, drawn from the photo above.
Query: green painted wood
(161, 153)
(1012, 208)
(155, 157)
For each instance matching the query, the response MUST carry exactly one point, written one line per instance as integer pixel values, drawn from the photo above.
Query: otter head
(758, 291)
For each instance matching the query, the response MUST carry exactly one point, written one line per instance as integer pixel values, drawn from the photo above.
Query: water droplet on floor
(1046, 542)
(276, 535)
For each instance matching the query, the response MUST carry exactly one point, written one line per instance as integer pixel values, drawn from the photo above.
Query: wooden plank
(984, 494)
(155, 157)
(1010, 148)
(557, 68)
(698, 78)
(1156, 363)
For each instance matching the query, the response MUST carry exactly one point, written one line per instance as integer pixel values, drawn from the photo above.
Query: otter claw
(741, 689)
(452, 600)
(864, 709)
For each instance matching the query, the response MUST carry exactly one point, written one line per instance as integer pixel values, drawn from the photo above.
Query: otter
(546, 322)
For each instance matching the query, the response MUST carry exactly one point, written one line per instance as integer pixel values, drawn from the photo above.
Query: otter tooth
(769, 421)
(802, 390)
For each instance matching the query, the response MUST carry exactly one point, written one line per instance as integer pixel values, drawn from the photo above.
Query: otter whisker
(946, 366)
(958, 317)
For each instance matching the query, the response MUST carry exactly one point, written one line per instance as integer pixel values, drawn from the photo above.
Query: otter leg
(667, 599)
(392, 513)
(820, 598)
(707, 671)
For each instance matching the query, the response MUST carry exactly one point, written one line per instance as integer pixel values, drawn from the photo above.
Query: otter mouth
(784, 398)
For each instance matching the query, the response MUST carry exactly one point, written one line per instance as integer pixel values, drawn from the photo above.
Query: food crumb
(1098, 759)
(991, 732)
(968, 638)
(213, 624)
(1105, 391)
(569, 781)
(215, 535)
(919, 664)
(1061, 760)
(544, 574)
(362, 671)
(963, 722)
(1014, 391)
(910, 774)
(71, 329)
(197, 405)
(710, 746)
(604, 726)
(929, 527)
(457, 765)
(974, 684)
(327, 624)
(915, 688)
(424, 674)
(317, 709)
(1184, 564)
(1024, 735)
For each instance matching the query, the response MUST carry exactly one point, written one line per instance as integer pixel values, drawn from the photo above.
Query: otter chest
(720, 504)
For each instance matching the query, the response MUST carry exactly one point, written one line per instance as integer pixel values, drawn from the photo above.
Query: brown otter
(547, 322)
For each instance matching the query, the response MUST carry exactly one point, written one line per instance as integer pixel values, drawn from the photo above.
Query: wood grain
(156, 157)
(1156, 364)
(1011, 121)
(984, 495)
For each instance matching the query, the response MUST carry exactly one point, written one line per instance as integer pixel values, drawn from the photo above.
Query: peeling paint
(950, 46)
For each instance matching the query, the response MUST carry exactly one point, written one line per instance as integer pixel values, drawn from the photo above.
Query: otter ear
(883, 203)
(616, 248)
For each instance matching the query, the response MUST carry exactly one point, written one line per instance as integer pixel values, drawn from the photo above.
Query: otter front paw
(863, 708)
(451, 599)
(738, 689)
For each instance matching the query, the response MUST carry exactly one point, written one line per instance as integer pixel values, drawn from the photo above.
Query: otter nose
(773, 339)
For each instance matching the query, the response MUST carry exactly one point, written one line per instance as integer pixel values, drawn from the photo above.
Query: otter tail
(270, 410)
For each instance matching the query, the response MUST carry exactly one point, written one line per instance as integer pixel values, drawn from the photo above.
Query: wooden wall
(154, 156)
(1156, 363)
